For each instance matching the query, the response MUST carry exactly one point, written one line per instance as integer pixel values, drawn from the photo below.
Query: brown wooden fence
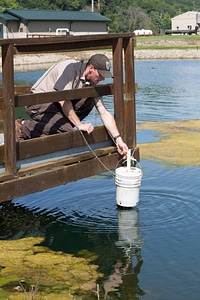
(33, 165)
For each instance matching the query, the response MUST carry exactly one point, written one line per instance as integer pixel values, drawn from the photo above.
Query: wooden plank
(56, 142)
(55, 157)
(108, 89)
(118, 84)
(23, 98)
(30, 99)
(129, 68)
(52, 178)
(18, 90)
(68, 43)
(65, 39)
(65, 161)
(78, 46)
(68, 160)
(8, 108)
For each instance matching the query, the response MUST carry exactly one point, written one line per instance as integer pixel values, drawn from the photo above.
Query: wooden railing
(37, 164)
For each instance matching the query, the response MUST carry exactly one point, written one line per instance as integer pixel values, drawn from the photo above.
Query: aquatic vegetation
(178, 142)
(29, 270)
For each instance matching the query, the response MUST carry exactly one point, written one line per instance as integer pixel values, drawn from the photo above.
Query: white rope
(96, 155)
(110, 171)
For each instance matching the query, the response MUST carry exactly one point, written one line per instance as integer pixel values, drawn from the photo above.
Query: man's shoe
(18, 130)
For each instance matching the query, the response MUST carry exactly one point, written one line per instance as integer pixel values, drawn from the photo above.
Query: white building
(186, 22)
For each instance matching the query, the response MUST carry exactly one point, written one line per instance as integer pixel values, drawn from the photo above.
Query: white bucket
(128, 181)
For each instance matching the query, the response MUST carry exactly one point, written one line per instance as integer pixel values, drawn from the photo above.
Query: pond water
(151, 251)
(168, 90)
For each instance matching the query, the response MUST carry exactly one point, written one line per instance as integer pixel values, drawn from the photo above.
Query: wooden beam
(63, 39)
(118, 84)
(64, 43)
(56, 142)
(129, 104)
(55, 96)
(73, 159)
(8, 108)
(30, 184)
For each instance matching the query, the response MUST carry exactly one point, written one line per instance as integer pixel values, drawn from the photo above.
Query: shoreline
(41, 61)
(168, 54)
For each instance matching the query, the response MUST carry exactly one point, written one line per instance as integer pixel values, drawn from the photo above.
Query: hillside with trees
(126, 15)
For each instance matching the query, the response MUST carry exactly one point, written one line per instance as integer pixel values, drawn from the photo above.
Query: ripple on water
(167, 198)
(88, 203)
(163, 208)
(99, 215)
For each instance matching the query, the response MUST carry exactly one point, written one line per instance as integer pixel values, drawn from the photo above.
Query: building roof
(7, 17)
(186, 13)
(54, 15)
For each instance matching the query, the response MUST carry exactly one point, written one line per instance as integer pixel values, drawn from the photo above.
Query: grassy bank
(168, 47)
(166, 42)
(186, 38)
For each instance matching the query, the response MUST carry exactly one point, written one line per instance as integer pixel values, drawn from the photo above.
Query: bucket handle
(135, 163)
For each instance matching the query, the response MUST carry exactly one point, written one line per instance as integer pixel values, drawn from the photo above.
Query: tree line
(125, 15)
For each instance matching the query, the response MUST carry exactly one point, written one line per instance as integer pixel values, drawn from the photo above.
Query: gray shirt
(67, 74)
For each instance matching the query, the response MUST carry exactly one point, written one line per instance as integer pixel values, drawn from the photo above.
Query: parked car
(62, 31)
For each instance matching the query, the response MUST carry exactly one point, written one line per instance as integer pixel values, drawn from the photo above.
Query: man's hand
(88, 127)
(122, 148)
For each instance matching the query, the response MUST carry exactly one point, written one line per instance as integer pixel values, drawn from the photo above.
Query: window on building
(21, 29)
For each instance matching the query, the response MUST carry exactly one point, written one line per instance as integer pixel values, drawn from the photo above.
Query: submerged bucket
(128, 181)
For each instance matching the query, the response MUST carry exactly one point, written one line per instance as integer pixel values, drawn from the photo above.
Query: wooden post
(129, 105)
(118, 84)
(8, 108)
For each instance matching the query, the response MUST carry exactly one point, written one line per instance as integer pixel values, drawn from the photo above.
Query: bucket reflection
(124, 278)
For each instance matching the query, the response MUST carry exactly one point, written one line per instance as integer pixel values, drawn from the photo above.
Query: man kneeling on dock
(63, 116)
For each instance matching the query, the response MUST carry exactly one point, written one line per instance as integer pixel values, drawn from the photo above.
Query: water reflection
(126, 271)
(128, 230)
(17, 222)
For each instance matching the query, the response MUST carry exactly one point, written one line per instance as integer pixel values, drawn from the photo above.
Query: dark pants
(49, 119)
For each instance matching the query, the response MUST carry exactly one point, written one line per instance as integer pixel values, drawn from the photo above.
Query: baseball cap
(102, 64)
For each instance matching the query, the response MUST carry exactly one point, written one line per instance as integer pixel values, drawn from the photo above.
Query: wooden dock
(37, 164)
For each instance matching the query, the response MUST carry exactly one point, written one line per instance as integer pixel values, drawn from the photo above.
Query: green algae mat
(178, 142)
(30, 271)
